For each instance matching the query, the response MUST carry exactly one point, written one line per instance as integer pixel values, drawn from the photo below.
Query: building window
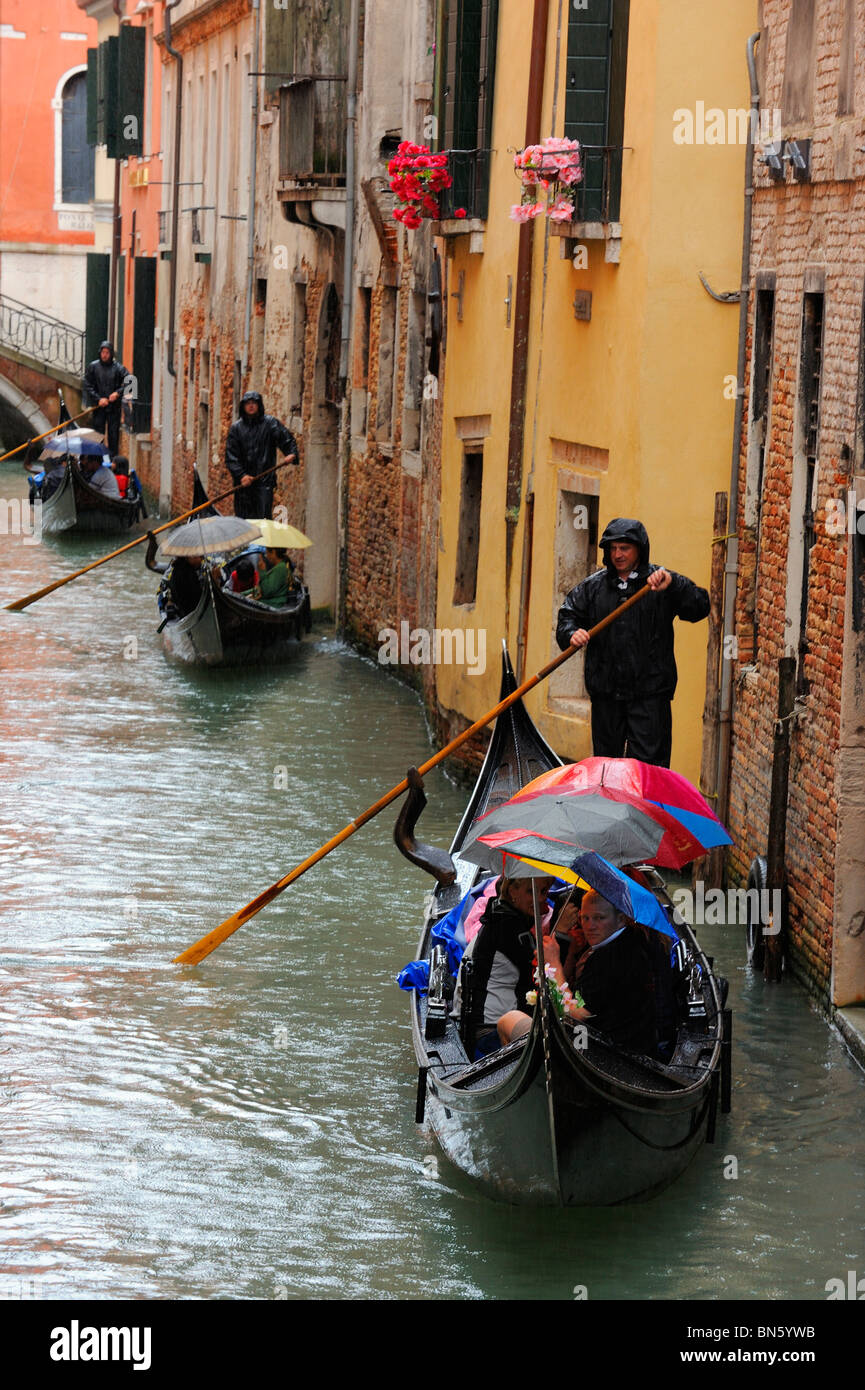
(797, 98)
(847, 63)
(466, 79)
(805, 466)
(576, 547)
(468, 543)
(595, 103)
(759, 428)
(387, 362)
(298, 350)
(73, 157)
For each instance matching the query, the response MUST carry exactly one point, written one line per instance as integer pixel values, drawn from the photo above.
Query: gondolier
(104, 383)
(250, 450)
(630, 669)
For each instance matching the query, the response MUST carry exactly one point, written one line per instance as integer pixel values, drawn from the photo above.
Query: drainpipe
(731, 566)
(175, 184)
(250, 212)
(350, 144)
(523, 300)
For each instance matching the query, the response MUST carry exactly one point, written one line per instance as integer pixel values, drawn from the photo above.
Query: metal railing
(470, 171)
(312, 129)
(598, 197)
(44, 339)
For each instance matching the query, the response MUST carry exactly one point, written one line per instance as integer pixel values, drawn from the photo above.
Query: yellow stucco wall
(644, 380)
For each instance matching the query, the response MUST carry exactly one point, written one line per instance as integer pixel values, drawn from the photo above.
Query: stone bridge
(39, 356)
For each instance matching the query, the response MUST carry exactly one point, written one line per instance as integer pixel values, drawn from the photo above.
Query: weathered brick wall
(383, 502)
(819, 225)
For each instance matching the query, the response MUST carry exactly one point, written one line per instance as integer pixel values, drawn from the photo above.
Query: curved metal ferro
(434, 861)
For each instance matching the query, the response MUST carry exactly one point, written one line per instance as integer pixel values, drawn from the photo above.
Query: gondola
(562, 1116)
(228, 629)
(76, 506)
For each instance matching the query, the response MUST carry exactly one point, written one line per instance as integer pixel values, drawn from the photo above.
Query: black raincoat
(103, 378)
(252, 444)
(633, 658)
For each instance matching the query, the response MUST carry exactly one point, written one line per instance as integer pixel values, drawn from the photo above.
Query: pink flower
(459, 212)
(562, 210)
(524, 212)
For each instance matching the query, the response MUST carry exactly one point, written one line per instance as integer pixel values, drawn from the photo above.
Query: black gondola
(227, 629)
(76, 506)
(562, 1116)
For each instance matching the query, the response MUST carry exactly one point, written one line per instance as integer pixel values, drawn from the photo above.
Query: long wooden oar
(20, 603)
(53, 430)
(196, 953)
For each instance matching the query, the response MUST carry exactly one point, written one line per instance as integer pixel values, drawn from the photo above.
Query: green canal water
(244, 1130)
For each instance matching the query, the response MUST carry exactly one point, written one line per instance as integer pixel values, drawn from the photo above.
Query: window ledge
(572, 232)
(472, 227)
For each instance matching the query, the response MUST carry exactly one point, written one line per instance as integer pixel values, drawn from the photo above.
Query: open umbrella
(623, 828)
(210, 535)
(589, 870)
(645, 783)
(74, 442)
(281, 536)
(566, 825)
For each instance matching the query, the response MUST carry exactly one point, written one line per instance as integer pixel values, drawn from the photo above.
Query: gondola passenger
(502, 955)
(275, 577)
(120, 469)
(184, 584)
(97, 476)
(614, 988)
(242, 580)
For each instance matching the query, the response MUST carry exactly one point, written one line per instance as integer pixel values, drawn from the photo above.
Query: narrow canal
(245, 1129)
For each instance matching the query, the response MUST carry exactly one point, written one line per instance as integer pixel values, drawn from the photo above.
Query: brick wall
(802, 233)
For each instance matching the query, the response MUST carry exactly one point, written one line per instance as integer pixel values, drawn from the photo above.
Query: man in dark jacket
(104, 382)
(630, 670)
(250, 450)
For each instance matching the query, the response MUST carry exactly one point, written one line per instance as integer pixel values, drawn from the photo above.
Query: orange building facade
(46, 166)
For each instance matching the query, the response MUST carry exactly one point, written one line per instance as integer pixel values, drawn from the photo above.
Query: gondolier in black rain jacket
(104, 378)
(250, 450)
(630, 667)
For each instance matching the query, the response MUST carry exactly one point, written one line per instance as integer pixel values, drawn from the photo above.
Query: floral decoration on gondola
(417, 177)
(548, 172)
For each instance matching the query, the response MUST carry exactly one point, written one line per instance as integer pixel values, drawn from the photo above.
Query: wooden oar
(20, 603)
(196, 953)
(53, 430)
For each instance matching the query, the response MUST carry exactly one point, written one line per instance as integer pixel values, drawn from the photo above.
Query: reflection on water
(245, 1129)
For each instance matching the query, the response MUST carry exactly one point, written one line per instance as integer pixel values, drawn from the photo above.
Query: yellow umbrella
(551, 871)
(280, 536)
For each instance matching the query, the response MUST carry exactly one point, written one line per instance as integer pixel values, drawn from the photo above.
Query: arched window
(77, 156)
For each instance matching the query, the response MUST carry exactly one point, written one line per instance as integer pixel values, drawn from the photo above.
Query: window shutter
(92, 95)
(130, 105)
(106, 106)
(279, 45)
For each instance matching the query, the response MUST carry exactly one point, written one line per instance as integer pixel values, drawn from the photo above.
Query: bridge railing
(46, 340)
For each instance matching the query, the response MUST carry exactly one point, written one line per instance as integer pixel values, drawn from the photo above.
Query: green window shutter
(467, 73)
(96, 303)
(92, 95)
(279, 44)
(130, 87)
(142, 338)
(106, 105)
(595, 101)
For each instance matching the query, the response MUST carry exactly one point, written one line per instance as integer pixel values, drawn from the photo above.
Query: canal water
(244, 1130)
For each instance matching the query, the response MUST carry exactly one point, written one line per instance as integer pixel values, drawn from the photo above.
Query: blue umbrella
(73, 442)
(625, 895)
(527, 858)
